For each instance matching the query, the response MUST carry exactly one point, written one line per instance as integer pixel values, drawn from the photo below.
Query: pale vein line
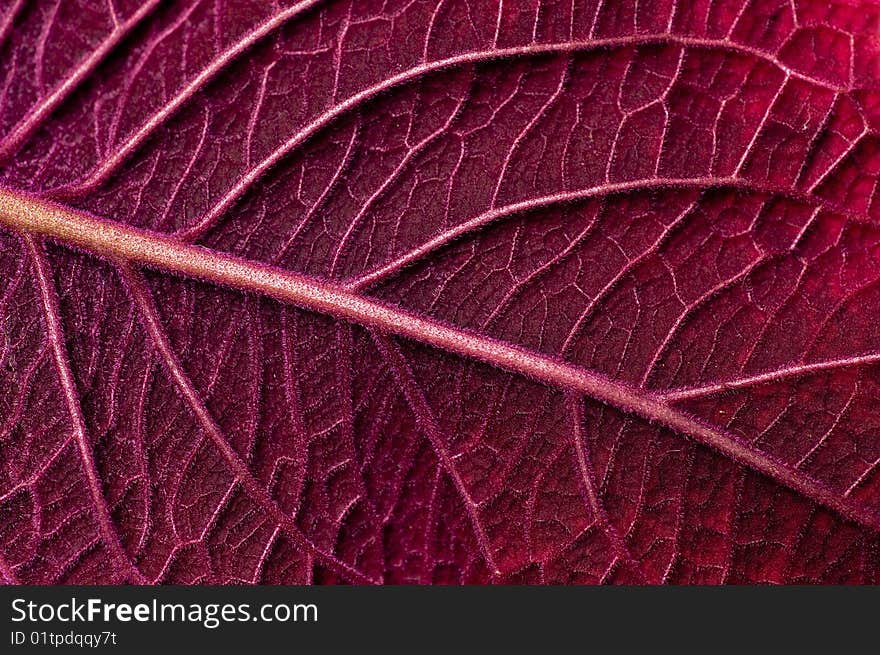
(37, 474)
(8, 20)
(34, 118)
(585, 467)
(40, 47)
(144, 302)
(259, 570)
(103, 172)
(411, 154)
(491, 216)
(19, 400)
(514, 147)
(49, 300)
(625, 270)
(844, 154)
(24, 212)
(208, 73)
(331, 186)
(759, 129)
(797, 370)
(424, 415)
(869, 471)
(820, 443)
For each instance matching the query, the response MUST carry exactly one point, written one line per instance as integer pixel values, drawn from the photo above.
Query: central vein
(27, 213)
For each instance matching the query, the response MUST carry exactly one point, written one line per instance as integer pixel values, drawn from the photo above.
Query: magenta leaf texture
(439, 291)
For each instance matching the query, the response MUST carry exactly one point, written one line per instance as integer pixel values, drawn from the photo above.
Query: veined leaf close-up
(439, 291)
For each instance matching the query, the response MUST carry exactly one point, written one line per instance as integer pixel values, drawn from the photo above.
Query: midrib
(29, 214)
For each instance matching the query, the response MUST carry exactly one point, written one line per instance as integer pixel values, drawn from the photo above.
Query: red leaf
(439, 292)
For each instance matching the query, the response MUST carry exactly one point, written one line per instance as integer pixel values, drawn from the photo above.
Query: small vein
(40, 48)
(630, 265)
(19, 400)
(38, 114)
(585, 467)
(114, 160)
(49, 299)
(144, 302)
(428, 423)
(759, 129)
(797, 370)
(8, 20)
(381, 273)
(390, 179)
(516, 144)
(170, 107)
(338, 174)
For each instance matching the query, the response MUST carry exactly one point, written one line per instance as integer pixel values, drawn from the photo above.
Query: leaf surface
(439, 292)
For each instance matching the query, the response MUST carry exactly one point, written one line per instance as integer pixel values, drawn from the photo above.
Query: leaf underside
(433, 291)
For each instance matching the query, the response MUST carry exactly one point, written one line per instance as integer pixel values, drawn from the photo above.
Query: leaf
(439, 292)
